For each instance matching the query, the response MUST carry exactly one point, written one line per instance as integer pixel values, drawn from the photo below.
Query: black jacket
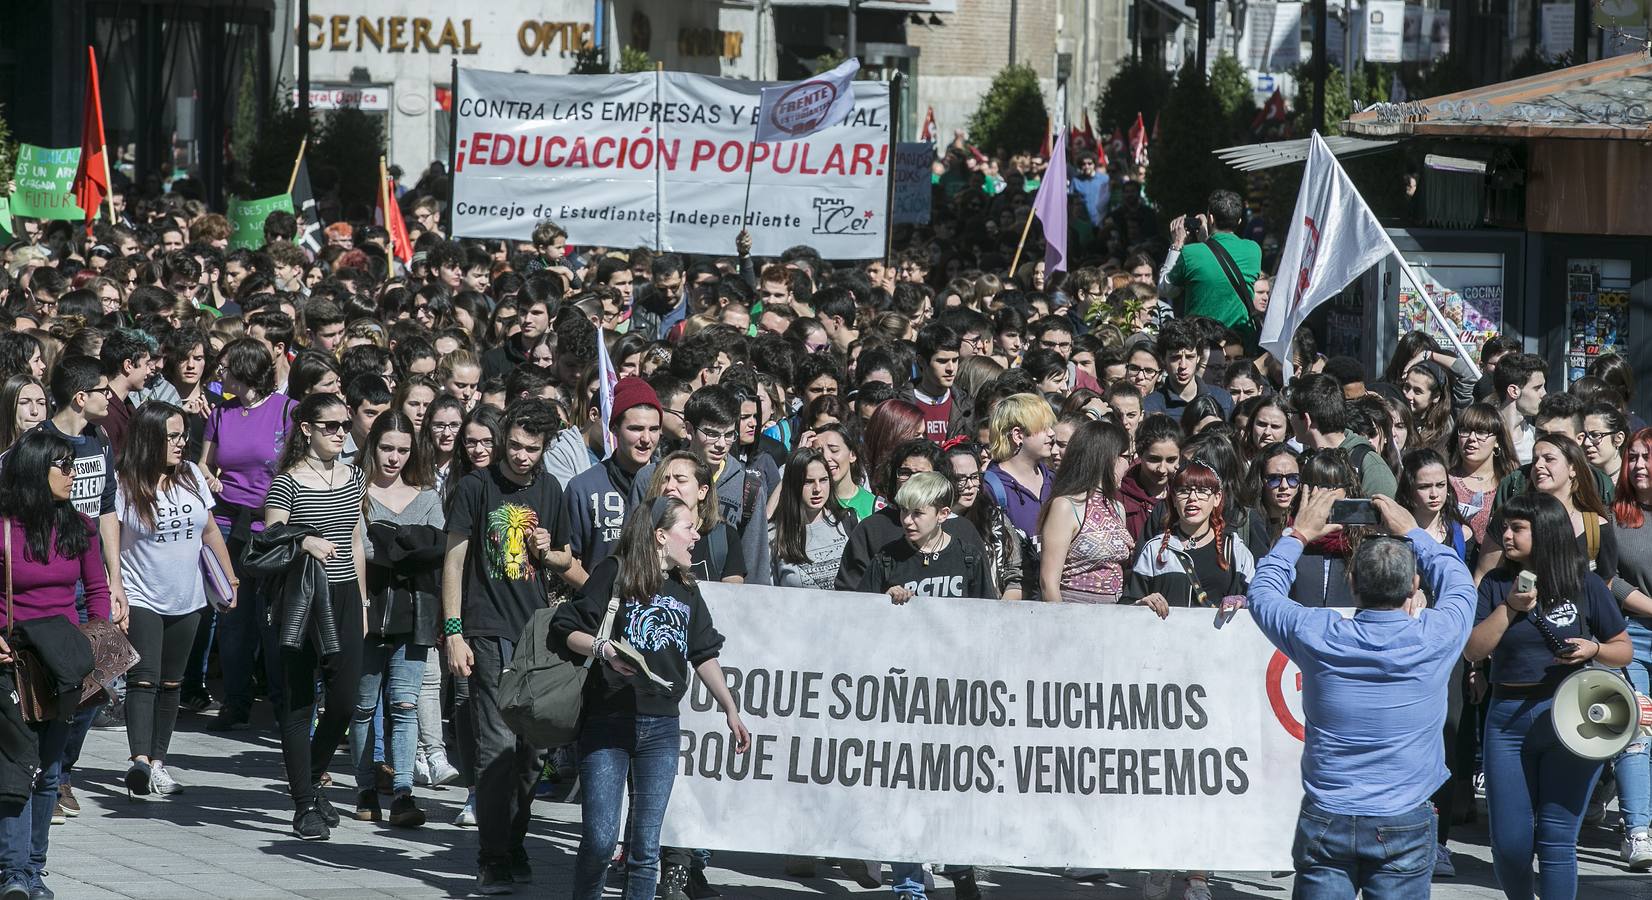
(19, 745)
(405, 571)
(301, 604)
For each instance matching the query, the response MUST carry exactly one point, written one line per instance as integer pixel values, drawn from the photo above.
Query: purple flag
(1050, 206)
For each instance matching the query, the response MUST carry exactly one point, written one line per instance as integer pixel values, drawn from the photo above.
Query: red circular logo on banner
(804, 107)
(1276, 693)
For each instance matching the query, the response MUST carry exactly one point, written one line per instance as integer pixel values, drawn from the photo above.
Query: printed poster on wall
(1468, 289)
(1597, 312)
(1384, 30)
(662, 160)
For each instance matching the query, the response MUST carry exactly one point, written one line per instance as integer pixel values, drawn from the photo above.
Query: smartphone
(1354, 512)
(1525, 581)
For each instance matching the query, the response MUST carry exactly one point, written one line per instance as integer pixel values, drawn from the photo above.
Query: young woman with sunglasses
(1633, 589)
(53, 549)
(1482, 455)
(316, 488)
(165, 512)
(1276, 484)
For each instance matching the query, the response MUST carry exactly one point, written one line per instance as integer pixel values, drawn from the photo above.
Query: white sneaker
(421, 772)
(1443, 866)
(162, 782)
(442, 772)
(1637, 850)
(1197, 889)
(1157, 886)
(467, 816)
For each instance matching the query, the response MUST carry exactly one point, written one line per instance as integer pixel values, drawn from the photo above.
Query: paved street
(228, 837)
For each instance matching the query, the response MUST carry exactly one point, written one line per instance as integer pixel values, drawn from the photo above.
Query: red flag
(1271, 111)
(1044, 149)
(401, 246)
(1138, 141)
(928, 133)
(92, 177)
(1089, 134)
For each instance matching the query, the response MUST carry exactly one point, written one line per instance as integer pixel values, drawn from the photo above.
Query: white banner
(660, 159)
(991, 733)
(1384, 30)
(913, 161)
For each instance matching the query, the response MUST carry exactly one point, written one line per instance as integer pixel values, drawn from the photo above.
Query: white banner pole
(1445, 324)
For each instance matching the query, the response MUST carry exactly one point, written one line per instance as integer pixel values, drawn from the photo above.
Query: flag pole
(756, 127)
(1446, 325)
(292, 181)
(1023, 242)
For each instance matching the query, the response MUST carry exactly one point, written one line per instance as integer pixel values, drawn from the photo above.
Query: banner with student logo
(992, 733)
(661, 159)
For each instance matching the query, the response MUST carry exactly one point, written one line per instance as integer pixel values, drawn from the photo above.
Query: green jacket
(1206, 291)
(1375, 479)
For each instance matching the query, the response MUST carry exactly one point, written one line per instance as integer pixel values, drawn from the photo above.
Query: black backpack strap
(1356, 458)
(748, 498)
(1231, 269)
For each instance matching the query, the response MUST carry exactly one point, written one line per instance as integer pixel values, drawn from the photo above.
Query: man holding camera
(1216, 268)
(1373, 696)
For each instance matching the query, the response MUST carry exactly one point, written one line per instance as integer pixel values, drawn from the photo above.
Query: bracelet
(451, 627)
(597, 646)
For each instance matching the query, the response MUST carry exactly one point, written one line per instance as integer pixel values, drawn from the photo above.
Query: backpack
(542, 693)
(1591, 537)
(1356, 458)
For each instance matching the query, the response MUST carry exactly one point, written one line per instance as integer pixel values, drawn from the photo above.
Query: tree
(243, 139)
(344, 159)
(8, 157)
(1138, 86)
(268, 165)
(635, 60)
(1011, 117)
(1182, 170)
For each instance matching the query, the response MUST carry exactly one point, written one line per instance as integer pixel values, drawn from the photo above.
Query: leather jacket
(301, 604)
(404, 573)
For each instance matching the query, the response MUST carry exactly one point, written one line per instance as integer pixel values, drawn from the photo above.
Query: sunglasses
(333, 426)
(66, 465)
(1291, 480)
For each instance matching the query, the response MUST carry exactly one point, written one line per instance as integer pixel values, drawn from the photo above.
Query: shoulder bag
(542, 693)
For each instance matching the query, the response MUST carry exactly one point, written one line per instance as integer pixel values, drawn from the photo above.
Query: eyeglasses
(1595, 437)
(713, 436)
(1474, 437)
(331, 426)
(1133, 369)
(962, 480)
(1291, 480)
(66, 465)
(1195, 492)
(444, 426)
(177, 437)
(478, 443)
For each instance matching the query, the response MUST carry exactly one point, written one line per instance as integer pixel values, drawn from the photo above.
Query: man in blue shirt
(1374, 697)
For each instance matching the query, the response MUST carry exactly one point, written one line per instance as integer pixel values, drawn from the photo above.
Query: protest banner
(45, 183)
(6, 226)
(1118, 733)
(661, 159)
(246, 219)
(912, 183)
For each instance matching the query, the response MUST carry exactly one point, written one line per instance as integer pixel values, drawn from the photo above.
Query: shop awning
(1254, 157)
(1608, 99)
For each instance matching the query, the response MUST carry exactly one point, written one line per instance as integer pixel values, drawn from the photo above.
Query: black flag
(309, 220)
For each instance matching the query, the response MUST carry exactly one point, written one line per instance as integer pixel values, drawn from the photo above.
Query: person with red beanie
(599, 498)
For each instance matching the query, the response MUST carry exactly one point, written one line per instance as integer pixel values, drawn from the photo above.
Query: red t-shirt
(937, 416)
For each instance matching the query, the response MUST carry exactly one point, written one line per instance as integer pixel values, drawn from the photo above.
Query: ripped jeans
(392, 666)
(1634, 764)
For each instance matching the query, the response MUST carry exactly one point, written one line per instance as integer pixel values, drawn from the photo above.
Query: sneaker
(1480, 785)
(1156, 887)
(521, 868)
(1443, 866)
(699, 888)
(421, 772)
(963, 884)
(328, 813)
(1637, 850)
(15, 888)
(59, 817)
(467, 815)
(442, 772)
(1197, 889)
(38, 889)
(230, 720)
(66, 799)
(198, 703)
(164, 783)
(367, 807)
(673, 883)
(493, 879)
(112, 717)
(404, 813)
(138, 779)
(310, 825)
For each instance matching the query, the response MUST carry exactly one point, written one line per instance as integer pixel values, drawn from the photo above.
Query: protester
(1086, 541)
(962, 459)
(808, 532)
(1632, 588)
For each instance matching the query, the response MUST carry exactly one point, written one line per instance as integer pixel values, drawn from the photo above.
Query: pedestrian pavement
(229, 836)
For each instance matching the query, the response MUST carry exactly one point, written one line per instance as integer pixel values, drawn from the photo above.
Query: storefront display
(1468, 289)
(1597, 311)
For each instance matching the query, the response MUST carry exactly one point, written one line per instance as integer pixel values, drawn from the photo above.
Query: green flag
(5, 217)
(45, 183)
(246, 219)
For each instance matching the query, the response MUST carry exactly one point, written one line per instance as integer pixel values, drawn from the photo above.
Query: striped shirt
(335, 513)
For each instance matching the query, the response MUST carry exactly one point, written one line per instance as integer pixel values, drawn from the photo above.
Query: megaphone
(1596, 713)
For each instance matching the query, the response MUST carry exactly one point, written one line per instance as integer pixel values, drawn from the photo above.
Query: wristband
(451, 627)
(597, 648)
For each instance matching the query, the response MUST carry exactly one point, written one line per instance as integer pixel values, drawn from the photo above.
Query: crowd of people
(346, 484)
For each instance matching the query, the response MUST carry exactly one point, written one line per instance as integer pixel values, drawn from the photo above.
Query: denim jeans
(1382, 857)
(25, 827)
(1634, 765)
(907, 878)
(613, 749)
(388, 660)
(1536, 791)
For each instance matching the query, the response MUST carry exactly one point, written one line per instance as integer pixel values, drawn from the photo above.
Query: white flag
(801, 108)
(1333, 239)
(606, 381)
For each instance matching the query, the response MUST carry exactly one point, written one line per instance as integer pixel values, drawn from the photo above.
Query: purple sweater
(42, 589)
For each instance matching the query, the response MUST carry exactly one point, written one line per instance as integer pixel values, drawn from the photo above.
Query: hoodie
(1137, 502)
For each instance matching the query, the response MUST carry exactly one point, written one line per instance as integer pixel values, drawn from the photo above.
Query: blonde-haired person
(1022, 437)
(460, 374)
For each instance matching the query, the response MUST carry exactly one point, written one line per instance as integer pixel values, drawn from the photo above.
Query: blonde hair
(1028, 412)
(925, 489)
